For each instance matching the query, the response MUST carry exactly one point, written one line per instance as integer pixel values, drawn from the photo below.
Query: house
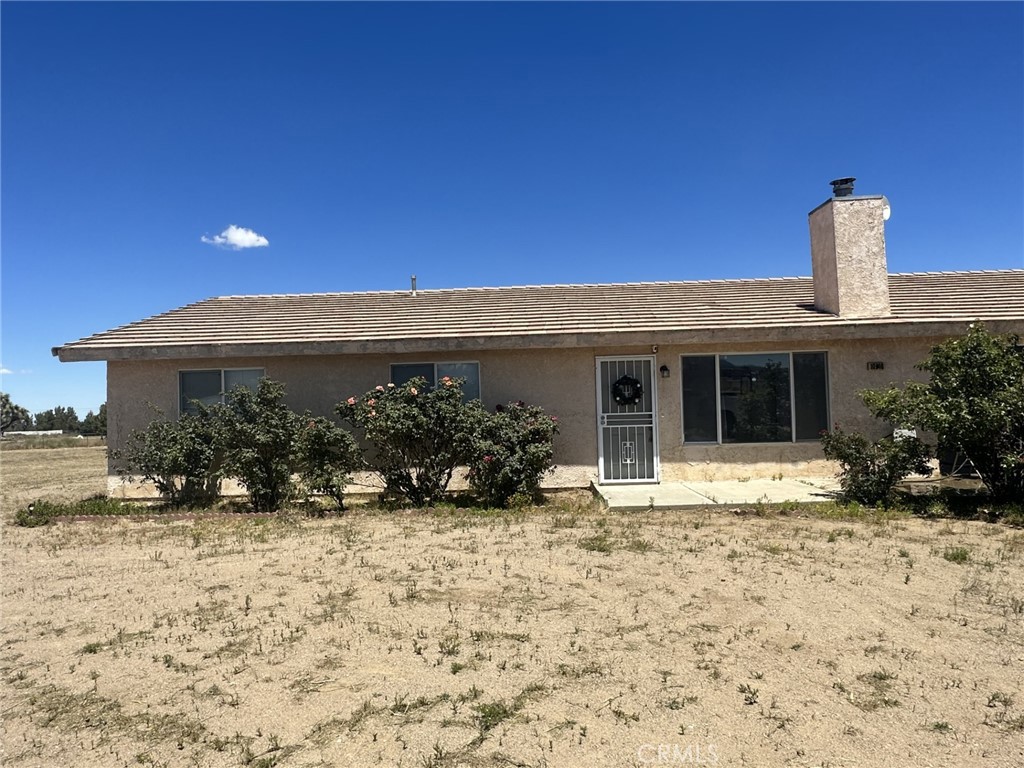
(651, 382)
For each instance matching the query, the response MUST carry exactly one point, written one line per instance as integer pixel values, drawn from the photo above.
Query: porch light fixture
(665, 372)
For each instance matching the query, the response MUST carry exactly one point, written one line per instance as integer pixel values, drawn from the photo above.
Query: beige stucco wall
(562, 381)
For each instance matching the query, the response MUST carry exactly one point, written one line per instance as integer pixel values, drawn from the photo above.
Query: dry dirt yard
(565, 636)
(57, 474)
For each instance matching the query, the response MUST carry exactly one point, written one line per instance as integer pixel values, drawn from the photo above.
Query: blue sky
(477, 144)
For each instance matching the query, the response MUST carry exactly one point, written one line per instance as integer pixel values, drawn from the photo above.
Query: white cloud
(5, 372)
(236, 238)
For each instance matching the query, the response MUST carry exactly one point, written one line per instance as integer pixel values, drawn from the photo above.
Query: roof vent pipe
(413, 279)
(842, 187)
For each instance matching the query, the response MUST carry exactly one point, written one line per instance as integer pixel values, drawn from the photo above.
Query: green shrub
(255, 438)
(869, 471)
(327, 456)
(44, 512)
(179, 457)
(257, 435)
(418, 434)
(974, 402)
(512, 452)
(38, 513)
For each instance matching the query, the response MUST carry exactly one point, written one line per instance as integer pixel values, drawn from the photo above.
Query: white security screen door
(627, 420)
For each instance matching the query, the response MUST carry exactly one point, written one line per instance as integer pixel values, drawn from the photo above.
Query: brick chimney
(851, 278)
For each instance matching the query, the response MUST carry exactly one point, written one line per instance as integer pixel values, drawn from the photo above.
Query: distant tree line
(15, 418)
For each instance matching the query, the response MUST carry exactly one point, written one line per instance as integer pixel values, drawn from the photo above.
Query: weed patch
(45, 512)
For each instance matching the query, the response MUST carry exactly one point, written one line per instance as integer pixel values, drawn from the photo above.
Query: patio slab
(719, 492)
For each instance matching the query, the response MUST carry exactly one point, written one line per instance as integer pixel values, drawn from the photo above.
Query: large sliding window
(759, 398)
(434, 372)
(209, 387)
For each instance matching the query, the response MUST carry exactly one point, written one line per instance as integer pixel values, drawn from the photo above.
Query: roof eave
(838, 329)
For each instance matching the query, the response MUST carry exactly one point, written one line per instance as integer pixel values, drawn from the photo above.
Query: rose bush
(513, 450)
(417, 434)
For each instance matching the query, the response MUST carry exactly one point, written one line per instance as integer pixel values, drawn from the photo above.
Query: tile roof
(542, 315)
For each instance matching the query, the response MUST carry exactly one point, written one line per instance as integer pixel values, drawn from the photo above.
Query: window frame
(480, 383)
(221, 371)
(718, 395)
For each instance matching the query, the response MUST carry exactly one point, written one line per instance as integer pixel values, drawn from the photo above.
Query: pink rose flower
(351, 401)
(380, 388)
(371, 402)
(391, 385)
(488, 459)
(413, 390)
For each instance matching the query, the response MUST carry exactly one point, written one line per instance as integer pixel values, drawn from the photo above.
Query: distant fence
(34, 433)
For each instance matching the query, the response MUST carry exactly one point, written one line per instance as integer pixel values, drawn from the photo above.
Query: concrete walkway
(720, 492)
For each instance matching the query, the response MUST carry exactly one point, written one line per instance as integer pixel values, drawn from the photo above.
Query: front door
(627, 420)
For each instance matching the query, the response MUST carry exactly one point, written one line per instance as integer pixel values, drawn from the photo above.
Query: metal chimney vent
(412, 287)
(842, 187)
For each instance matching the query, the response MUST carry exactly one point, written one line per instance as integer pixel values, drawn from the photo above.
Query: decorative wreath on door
(627, 391)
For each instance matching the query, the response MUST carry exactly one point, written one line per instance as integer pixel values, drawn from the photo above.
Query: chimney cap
(842, 187)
